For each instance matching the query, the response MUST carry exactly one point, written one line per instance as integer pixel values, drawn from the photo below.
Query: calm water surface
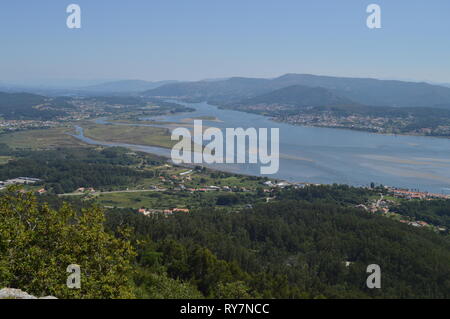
(324, 155)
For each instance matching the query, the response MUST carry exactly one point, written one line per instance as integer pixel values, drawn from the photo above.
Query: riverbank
(308, 122)
(328, 155)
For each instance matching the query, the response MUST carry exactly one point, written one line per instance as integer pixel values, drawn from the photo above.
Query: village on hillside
(178, 180)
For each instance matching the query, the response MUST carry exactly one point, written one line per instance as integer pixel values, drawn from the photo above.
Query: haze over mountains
(350, 90)
(298, 96)
(293, 91)
(125, 86)
(66, 87)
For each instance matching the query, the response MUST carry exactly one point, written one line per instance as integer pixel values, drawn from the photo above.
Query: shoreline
(360, 130)
(302, 178)
(139, 148)
(274, 119)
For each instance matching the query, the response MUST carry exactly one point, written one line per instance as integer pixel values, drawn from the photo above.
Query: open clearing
(142, 135)
(41, 139)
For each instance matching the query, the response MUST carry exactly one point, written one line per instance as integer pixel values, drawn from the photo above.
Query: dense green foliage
(295, 248)
(307, 243)
(65, 170)
(436, 212)
(38, 243)
(24, 106)
(342, 195)
(298, 96)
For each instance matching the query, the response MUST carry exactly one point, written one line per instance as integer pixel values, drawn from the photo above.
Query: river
(326, 155)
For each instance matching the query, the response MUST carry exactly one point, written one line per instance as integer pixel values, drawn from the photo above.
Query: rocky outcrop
(10, 293)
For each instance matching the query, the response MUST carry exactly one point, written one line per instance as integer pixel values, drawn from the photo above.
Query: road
(115, 192)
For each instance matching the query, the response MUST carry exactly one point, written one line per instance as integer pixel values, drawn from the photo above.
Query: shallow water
(325, 155)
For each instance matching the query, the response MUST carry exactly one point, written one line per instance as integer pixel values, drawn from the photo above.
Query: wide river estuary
(326, 156)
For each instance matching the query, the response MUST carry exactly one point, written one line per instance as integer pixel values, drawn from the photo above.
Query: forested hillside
(360, 90)
(307, 243)
(65, 170)
(38, 243)
(298, 96)
(30, 106)
(295, 248)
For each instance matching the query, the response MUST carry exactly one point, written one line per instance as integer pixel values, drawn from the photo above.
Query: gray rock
(48, 297)
(10, 293)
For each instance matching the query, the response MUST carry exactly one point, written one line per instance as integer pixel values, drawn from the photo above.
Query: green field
(153, 200)
(161, 199)
(142, 135)
(168, 180)
(5, 159)
(41, 139)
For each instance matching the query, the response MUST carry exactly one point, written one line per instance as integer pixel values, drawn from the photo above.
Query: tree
(227, 200)
(159, 286)
(37, 244)
(232, 290)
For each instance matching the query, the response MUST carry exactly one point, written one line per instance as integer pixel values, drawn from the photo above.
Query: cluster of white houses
(405, 193)
(19, 180)
(164, 212)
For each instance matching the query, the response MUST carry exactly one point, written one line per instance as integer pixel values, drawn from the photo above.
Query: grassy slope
(41, 139)
(150, 136)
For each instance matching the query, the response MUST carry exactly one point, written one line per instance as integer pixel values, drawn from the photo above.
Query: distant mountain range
(111, 88)
(362, 91)
(222, 91)
(125, 86)
(298, 96)
(290, 92)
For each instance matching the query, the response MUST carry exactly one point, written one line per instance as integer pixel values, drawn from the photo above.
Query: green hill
(310, 243)
(30, 106)
(298, 96)
(360, 90)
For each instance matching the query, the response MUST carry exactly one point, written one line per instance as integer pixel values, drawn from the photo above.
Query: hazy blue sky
(196, 39)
